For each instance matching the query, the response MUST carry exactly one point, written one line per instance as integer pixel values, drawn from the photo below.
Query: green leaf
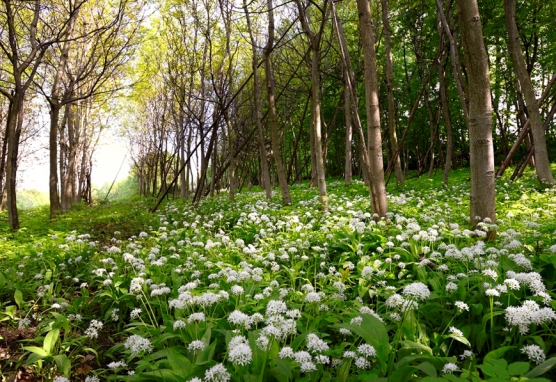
(518, 368)
(63, 363)
(427, 368)
(461, 339)
(496, 354)
(542, 368)
(50, 340)
(495, 368)
(37, 350)
(411, 344)
(179, 362)
(374, 333)
(18, 297)
(402, 374)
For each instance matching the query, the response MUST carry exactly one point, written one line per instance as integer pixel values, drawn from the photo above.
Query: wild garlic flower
(461, 305)
(286, 352)
(196, 317)
(527, 314)
(416, 290)
(94, 327)
(366, 350)
(217, 373)
(137, 344)
(534, 353)
(178, 324)
(135, 313)
(116, 365)
(239, 351)
(449, 368)
(196, 345)
(455, 331)
(315, 344)
(492, 293)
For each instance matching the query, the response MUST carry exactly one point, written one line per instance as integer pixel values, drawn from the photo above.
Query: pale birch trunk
(378, 189)
(482, 198)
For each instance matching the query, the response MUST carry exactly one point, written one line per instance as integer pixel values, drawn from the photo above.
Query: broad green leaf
(37, 350)
(50, 340)
(496, 354)
(518, 368)
(542, 368)
(411, 344)
(495, 368)
(374, 333)
(18, 297)
(427, 368)
(461, 339)
(402, 374)
(179, 362)
(63, 363)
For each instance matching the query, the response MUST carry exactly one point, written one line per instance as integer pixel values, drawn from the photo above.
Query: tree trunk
(316, 123)
(13, 130)
(447, 124)
(378, 189)
(347, 111)
(482, 198)
(390, 93)
(265, 175)
(454, 61)
(282, 181)
(541, 153)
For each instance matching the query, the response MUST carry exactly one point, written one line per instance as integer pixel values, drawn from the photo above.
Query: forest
(323, 190)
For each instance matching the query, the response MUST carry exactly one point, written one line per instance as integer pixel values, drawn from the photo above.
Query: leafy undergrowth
(254, 291)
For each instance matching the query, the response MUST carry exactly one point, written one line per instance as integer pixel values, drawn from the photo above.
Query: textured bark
(348, 174)
(541, 154)
(316, 123)
(482, 198)
(265, 176)
(454, 62)
(353, 119)
(272, 122)
(378, 189)
(447, 124)
(390, 93)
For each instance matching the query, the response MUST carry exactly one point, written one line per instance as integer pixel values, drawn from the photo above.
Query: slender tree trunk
(316, 123)
(447, 124)
(265, 175)
(541, 153)
(349, 78)
(348, 174)
(282, 180)
(455, 63)
(378, 188)
(482, 196)
(14, 123)
(390, 93)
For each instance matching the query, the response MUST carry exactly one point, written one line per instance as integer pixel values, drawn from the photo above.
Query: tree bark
(390, 93)
(265, 175)
(541, 153)
(482, 198)
(316, 123)
(272, 120)
(378, 188)
(348, 174)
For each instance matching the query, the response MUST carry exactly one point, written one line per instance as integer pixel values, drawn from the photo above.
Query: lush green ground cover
(253, 291)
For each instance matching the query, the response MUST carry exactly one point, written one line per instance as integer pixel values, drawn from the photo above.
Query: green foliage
(260, 292)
